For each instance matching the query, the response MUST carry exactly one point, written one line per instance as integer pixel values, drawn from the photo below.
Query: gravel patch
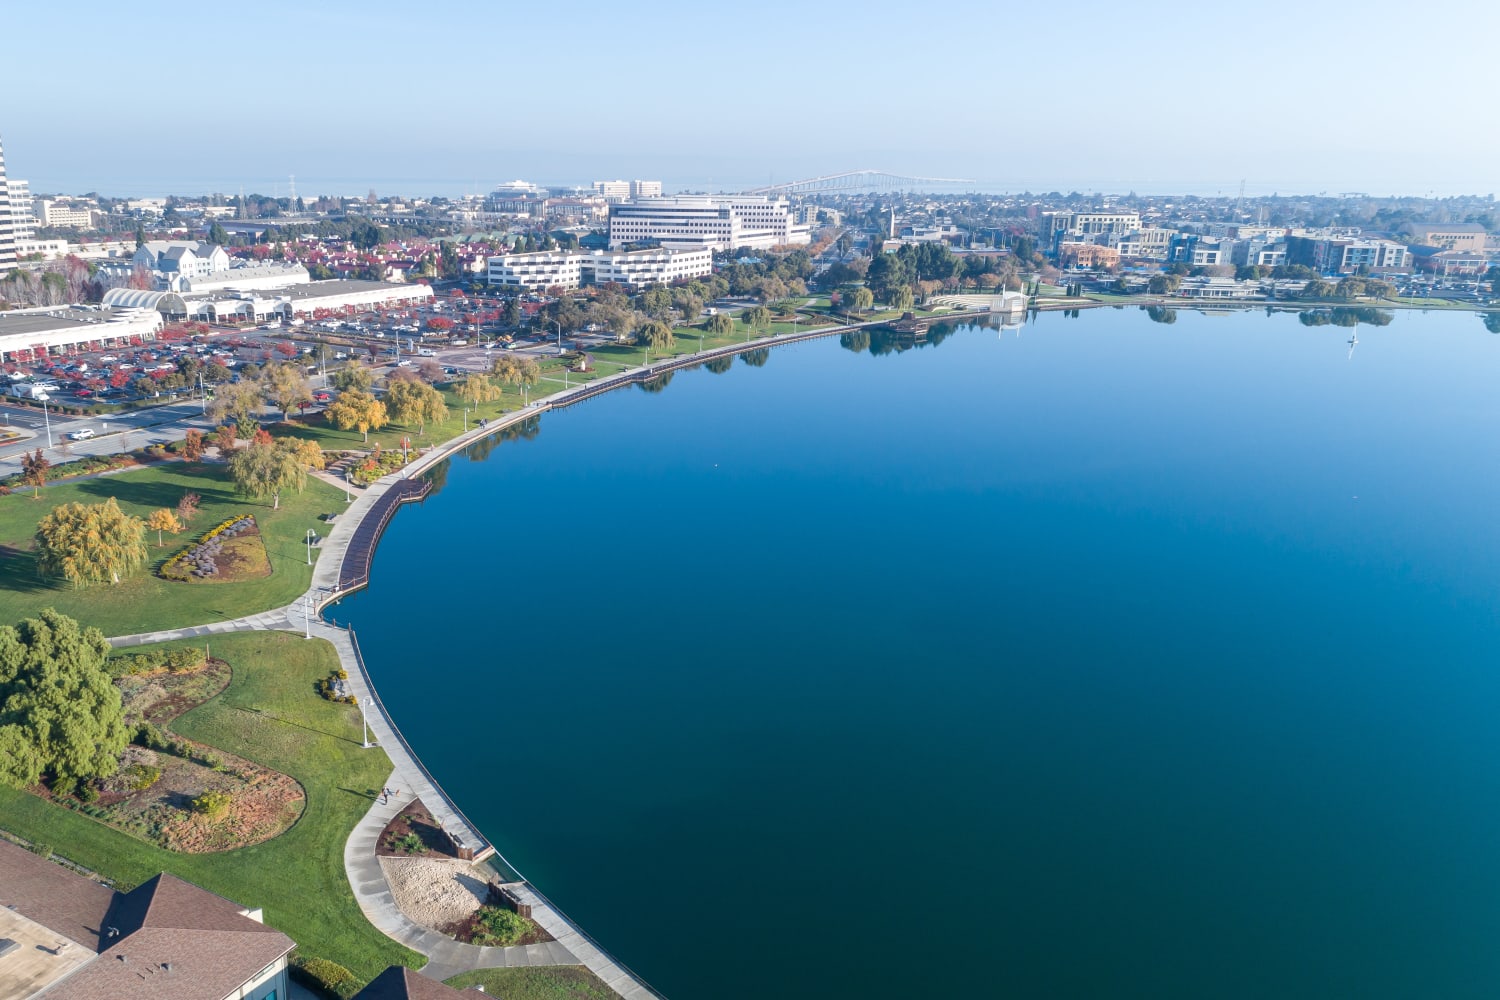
(434, 892)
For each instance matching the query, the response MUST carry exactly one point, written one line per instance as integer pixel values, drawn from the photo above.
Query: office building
(568, 269)
(536, 271)
(20, 209)
(55, 214)
(694, 222)
(1467, 236)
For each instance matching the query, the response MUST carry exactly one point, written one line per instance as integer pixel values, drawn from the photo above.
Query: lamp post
(365, 722)
(203, 393)
(46, 418)
(310, 537)
(348, 497)
(557, 324)
(307, 616)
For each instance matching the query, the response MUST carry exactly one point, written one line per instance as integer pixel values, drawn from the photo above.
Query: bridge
(865, 180)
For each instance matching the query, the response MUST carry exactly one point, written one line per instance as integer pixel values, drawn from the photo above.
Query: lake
(1107, 657)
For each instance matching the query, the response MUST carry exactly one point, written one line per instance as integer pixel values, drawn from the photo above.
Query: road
(116, 432)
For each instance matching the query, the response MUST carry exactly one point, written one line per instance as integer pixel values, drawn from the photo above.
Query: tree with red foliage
(261, 436)
(440, 323)
(286, 348)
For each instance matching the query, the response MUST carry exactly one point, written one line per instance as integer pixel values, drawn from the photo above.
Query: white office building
(696, 222)
(7, 223)
(62, 215)
(534, 271)
(20, 209)
(639, 268)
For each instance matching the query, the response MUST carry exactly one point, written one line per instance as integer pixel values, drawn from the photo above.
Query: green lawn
(271, 715)
(144, 601)
(554, 982)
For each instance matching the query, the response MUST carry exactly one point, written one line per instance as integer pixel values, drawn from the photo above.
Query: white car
(82, 435)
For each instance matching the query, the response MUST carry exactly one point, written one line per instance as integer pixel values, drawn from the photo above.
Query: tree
(224, 439)
(34, 471)
(216, 234)
(90, 543)
(656, 335)
(415, 402)
(476, 388)
(265, 469)
(1163, 284)
(163, 520)
(720, 324)
(358, 410)
(901, 298)
(192, 445)
(287, 386)
(60, 714)
(306, 451)
(756, 318)
(239, 403)
(353, 376)
(187, 507)
(862, 300)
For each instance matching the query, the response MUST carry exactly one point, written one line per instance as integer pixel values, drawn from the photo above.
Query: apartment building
(7, 223)
(1119, 224)
(20, 209)
(689, 222)
(1346, 255)
(1146, 244)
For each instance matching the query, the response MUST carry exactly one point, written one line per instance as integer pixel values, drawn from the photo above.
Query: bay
(1109, 657)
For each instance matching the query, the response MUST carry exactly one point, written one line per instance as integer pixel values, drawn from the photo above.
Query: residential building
(729, 222)
(79, 940)
(1211, 253)
(20, 209)
(55, 214)
(1259, 253)
(1088, 255)
(7, 222)
(176, 263)
(1468, 236)
(398, 982)
(1146, 244)
(1055, 225)
(638, 268)
(1346, 254)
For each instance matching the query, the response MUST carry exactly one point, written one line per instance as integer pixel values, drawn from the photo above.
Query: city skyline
(348, 98)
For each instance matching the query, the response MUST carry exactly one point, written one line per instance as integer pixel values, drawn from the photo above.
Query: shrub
(411, 844)
(140, 777)
(329, 978)
(500, 926)
(88, 793)
(45, 850)
(150, 736)
(214, 805)
(63, 787)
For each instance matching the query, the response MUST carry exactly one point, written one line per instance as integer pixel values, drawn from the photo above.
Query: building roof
(68, 904)
(135, 298)
(320, 289)
(400, 983)
(1445, 227)
(165, 940)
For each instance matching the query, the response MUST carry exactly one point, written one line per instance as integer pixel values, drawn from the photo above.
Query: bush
(214, 805)
(140, 777)
(64, 787)
(87, 793)
(501, 926)
(176, 661)
(45, 850)
(150, 736)
(328, 978)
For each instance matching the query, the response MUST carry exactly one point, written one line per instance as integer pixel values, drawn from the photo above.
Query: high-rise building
(20, 210)
(687, 222)
(7, 224)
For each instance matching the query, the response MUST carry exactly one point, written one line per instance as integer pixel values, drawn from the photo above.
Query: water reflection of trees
(438, 476)
(1346, 316)
(525, 430)
(756, 358)
(1161, 314)
(720, 365)
(656, 383)
(1492, 322)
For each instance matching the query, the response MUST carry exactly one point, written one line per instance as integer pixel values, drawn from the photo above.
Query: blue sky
(455, 95)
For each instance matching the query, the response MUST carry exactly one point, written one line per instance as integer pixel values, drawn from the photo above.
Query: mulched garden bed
(414, 819)
(162, 696)
(467, 930)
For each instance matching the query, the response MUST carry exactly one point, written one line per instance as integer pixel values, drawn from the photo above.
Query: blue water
(1112, 658)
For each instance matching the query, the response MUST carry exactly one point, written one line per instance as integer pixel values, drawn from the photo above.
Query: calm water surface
(1111, 659)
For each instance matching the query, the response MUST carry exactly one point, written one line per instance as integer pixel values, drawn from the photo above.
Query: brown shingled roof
(173, 964)
(60, 900)
(400, 983)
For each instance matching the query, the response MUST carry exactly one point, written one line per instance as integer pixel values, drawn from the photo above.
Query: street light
(46, 419)
(310, 537)
(307, 616)
(364, 722)
(557, 324)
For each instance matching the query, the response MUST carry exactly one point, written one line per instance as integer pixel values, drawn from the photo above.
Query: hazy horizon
(1154, 99)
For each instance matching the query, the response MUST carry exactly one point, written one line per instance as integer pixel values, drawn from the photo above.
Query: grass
(269, 714)
(144, 601)
(546, 982)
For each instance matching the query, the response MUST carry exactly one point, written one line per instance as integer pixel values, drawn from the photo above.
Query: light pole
(365, 722)
(348, 497)
(307, 616)
(310, 537)
(46, 419)
(203, 393)
(557, 324)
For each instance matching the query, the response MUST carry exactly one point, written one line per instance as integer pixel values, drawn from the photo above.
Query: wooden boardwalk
(354, 571)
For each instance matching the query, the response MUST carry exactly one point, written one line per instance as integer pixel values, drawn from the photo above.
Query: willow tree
(476, 388)
(357, 410)
(656, 335)
(415, 402)
(267, 468)
(90, 543)
(720, 324)
(60, 714)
